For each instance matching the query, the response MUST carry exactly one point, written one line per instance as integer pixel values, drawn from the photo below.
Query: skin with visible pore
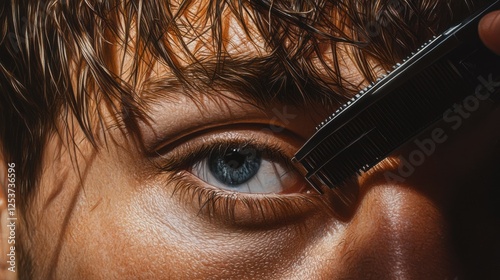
(134, 209)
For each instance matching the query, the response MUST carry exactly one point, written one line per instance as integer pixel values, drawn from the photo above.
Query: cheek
(393, 229)
(119, 228)
(70, 212)
(160, 236)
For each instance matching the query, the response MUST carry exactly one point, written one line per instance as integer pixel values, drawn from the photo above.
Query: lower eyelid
(240, 209)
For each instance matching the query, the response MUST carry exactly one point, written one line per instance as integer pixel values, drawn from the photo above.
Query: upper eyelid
(207, 113)
(162, 148)
(170, 159)
(205, 150)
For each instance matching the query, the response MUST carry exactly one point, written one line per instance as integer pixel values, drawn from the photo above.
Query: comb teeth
(371, 85)
(363, 141)
(402, 103)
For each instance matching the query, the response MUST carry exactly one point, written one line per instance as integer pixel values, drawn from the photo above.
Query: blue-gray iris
(234, 166)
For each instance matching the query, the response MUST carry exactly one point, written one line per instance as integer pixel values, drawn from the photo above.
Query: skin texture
(120, 218)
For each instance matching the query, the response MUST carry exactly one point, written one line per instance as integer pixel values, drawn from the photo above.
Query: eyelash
(191, 155)
(223, 204)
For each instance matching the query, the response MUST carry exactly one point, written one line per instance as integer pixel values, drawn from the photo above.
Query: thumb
(489, 31)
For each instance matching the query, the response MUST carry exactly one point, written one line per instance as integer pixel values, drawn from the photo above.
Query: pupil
(235, 166)
(234, 159)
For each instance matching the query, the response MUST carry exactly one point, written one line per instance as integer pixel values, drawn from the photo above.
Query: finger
(489, 31)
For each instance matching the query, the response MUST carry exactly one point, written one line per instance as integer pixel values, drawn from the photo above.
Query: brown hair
(55, 61)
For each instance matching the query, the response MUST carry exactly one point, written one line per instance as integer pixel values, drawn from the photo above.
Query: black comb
(400, 105)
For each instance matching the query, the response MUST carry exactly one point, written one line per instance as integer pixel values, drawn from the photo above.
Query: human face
(135, 207)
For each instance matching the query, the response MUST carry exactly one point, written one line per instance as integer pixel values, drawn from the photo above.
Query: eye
(245, 169)
(239, 176)
(237, 160)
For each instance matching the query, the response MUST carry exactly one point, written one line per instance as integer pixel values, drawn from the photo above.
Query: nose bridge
(396, 233)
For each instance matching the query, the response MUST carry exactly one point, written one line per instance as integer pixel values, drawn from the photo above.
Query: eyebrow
(259, 80)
